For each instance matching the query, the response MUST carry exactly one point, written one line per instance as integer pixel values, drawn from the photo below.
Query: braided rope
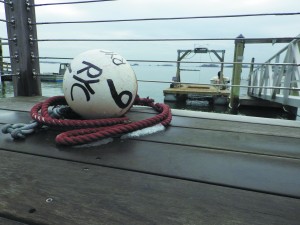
(85, 131)
(46, 119)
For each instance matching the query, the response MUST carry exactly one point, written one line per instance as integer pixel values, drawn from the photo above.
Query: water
(146, 72)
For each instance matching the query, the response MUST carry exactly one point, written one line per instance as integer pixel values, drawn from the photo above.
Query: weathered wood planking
(240, 140)
(218, 135)
(248, 171)
(4, 221)
(200, 171)
(40, 190)
(236, 159)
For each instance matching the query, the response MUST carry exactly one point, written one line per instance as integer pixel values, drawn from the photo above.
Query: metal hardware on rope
(84, 131)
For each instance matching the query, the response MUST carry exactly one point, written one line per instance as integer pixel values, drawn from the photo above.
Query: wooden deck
(204, 169)
(198, 89)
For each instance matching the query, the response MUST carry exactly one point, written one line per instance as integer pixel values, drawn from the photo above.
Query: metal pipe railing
(30, 40)
(170, 18)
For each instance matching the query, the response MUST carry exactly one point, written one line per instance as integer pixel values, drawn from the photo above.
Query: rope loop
(80, 131)
(143, 101)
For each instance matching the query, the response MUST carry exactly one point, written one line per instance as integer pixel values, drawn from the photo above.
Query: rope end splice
(85, 131)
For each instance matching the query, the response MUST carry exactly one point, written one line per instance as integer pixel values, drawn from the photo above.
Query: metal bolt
(30, 40)
(32, 56)
(15, 40)
(27, 5)
(16, 56)
(13, 21)
(48, 200)
(11, 5)
(18, 74)
(29, 24)
(35, 74)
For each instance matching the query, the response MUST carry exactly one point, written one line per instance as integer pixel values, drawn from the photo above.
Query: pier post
(1, 61)
(178, 68)
(179, 58)
(250, 76)
(23, 49)
(236, 71)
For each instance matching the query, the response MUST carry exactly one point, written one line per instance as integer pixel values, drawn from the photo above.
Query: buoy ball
(99, 84)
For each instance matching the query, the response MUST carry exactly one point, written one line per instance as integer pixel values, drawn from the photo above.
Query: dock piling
(1, 61)
(236, 71)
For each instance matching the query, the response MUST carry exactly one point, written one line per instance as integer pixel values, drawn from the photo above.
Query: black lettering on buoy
(87, 95)
(118, 97)
(117, 61)
(85, 86)
(90, 66)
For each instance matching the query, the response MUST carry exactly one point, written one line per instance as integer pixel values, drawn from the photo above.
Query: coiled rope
(80, 131)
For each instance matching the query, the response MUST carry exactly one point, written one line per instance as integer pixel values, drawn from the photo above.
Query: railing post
(178, 79)
(250, 76)
(1, 61)
(236, 71)
(23, 50)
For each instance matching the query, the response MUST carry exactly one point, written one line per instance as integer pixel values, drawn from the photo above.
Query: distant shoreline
(203, 65)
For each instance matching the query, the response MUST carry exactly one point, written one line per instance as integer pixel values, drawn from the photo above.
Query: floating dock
(215, 93)
(205, 92)
(205, 168)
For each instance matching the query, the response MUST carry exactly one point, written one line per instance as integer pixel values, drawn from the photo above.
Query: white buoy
(100, 84)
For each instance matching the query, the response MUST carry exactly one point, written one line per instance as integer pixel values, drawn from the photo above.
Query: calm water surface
(155, 90)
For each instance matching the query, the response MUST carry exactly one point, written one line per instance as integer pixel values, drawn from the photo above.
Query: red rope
(85, 131)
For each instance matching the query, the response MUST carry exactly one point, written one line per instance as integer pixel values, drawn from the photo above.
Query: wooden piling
(236, 71)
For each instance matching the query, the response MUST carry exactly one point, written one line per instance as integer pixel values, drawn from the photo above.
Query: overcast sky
(251, 27)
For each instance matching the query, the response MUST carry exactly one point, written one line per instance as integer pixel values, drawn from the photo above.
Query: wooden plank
(5, 221)
(9, 116)
(12, 117)
(242, 170)
(26, 103)
(226, 122)
(230, 140)
(20, 103)
(50, 191)
(209, 90)
(196, 145)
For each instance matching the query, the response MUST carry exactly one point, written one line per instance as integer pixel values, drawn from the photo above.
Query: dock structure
(185, 91)
(216, 93)
(278, 79)
(203, 169)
